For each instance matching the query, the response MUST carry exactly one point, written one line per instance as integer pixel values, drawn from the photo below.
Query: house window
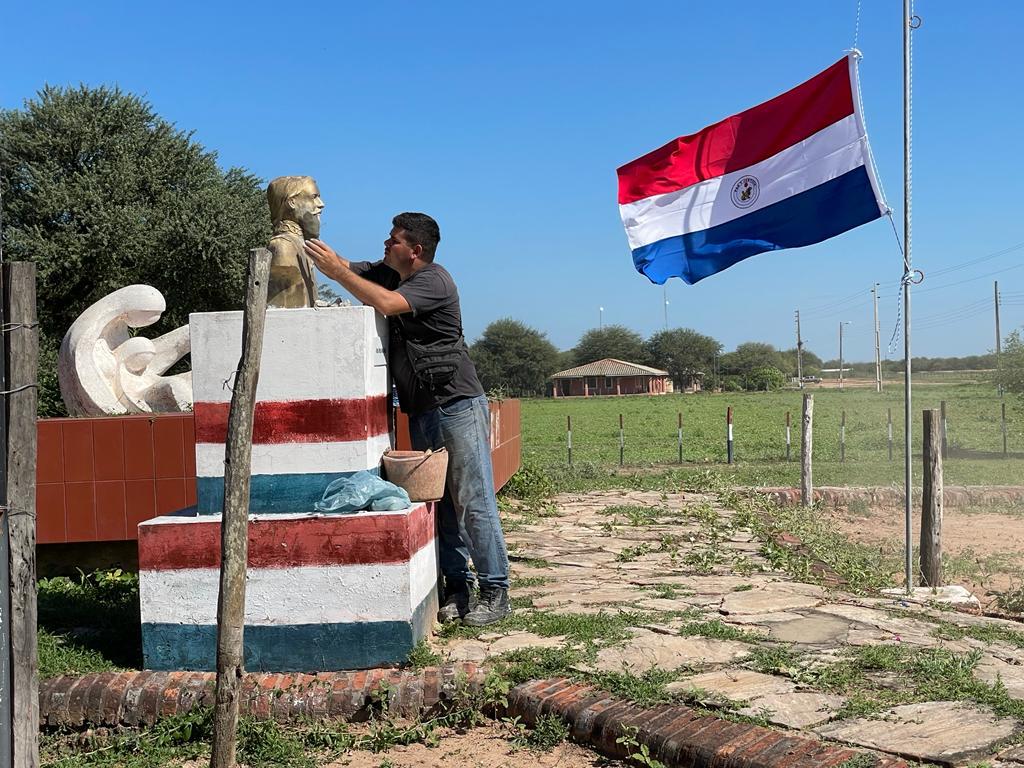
(608, 383)
(592, 382)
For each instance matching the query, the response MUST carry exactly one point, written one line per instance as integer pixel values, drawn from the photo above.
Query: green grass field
(972, 409)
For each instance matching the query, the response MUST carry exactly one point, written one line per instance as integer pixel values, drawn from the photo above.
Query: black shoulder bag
(434, 365)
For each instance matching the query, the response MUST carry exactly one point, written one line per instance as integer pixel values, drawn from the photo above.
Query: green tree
(750, 355)
(616, 341)
(764, 379)
(681, 352)
(514, 358)
(100, 192)
(1010, 373)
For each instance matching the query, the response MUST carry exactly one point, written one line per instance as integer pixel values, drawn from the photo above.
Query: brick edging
(674, 734)
(141, 698)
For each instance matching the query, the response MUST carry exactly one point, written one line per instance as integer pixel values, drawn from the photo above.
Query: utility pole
(665, 296)
(999, 339)
(878, 349)
(799, 353)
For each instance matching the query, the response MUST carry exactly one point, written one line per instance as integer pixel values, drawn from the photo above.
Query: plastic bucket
(420, 473)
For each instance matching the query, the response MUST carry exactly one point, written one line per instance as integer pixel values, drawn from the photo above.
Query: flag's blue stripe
(293, 647)
(819, 213)
(271, 493)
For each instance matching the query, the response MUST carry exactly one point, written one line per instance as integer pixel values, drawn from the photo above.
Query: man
(295, 208)
(438, 388)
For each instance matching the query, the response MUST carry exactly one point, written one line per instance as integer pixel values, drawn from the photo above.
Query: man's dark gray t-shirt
(436, 317)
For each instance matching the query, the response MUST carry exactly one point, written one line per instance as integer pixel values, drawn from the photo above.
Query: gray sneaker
(493, 606)
(455, 606)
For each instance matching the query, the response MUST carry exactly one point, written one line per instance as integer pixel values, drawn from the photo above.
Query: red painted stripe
(363, 539)
(742, 139)
(299, 421)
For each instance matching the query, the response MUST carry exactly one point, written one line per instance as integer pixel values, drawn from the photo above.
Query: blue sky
(506, 122)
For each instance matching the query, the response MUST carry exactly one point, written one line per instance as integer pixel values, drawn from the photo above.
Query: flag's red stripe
(364, 539)
(743, 139)
(299, 421)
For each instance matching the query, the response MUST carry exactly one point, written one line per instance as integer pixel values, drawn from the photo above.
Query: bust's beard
(310, 224)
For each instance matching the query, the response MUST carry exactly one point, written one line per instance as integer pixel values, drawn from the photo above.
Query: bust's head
(297, 199)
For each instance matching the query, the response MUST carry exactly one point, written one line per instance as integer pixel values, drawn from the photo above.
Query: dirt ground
(984, 549)
(482, 747)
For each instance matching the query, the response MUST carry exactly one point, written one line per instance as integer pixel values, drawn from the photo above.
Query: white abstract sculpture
(105, 371)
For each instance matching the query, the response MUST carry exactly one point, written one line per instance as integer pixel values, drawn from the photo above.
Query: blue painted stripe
(292, 648)
(819, 213)
(275, 494)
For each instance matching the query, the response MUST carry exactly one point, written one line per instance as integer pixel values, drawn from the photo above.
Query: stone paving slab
(734, 684)
(813, 629)
(795, 710)
(990, 669)
(649, 650)
(946, 732)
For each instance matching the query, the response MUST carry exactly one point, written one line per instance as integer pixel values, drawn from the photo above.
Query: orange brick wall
(98, 478)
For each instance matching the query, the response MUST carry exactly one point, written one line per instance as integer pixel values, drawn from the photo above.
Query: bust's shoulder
(285, 244)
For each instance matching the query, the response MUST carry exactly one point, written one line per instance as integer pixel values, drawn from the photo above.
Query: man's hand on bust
(326, 258)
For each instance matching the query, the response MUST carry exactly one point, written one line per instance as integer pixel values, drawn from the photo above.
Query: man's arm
(337, 268)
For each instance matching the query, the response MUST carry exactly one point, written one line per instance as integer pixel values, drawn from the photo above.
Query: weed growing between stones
(875, 678)
(421, 656)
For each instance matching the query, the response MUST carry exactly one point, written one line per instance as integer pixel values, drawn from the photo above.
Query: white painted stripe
(308, 354)
(298, 458)
(303, 595)
(206, 519)
(826, 155)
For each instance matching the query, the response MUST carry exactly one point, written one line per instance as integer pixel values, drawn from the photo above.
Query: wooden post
(679, 437)
(234, 545)
(890, 434)
(806, 449)
(789, 436)
(842, 437)
(622, 443)
(931, 501)
(945, 445)
(22, 360)
(728, 434)
(568, 436)
(1002, 421)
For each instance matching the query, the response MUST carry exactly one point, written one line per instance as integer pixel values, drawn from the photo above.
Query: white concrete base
(951, 595)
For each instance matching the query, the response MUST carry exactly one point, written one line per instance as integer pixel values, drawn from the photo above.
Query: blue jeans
(468, 523)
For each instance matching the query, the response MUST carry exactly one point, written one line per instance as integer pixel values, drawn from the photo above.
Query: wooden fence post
(842, 438)
(568, 436)
(622, 443)
(806, 449)
(931, 501)
(20, 329)
(234, 546)
(679, 437)
(890, 434)
(1002, 424)
(728, 439)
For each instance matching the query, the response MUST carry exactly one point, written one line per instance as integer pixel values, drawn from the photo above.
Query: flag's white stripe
(287, 596)
(858, 105)
(308, 354)
(829, 153)
(297, 458)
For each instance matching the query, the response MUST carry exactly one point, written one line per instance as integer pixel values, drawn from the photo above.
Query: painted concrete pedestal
(324, 592)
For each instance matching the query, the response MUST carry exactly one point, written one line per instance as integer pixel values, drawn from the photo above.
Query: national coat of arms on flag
(790, 172)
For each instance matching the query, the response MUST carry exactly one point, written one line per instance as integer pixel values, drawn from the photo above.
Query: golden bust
(295, 207)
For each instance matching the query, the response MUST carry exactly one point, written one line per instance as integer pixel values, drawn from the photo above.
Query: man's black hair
(420, 230)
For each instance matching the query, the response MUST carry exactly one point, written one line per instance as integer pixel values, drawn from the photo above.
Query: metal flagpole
(907, 413)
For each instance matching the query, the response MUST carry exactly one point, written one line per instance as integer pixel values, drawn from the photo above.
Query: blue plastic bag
(362, 490)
